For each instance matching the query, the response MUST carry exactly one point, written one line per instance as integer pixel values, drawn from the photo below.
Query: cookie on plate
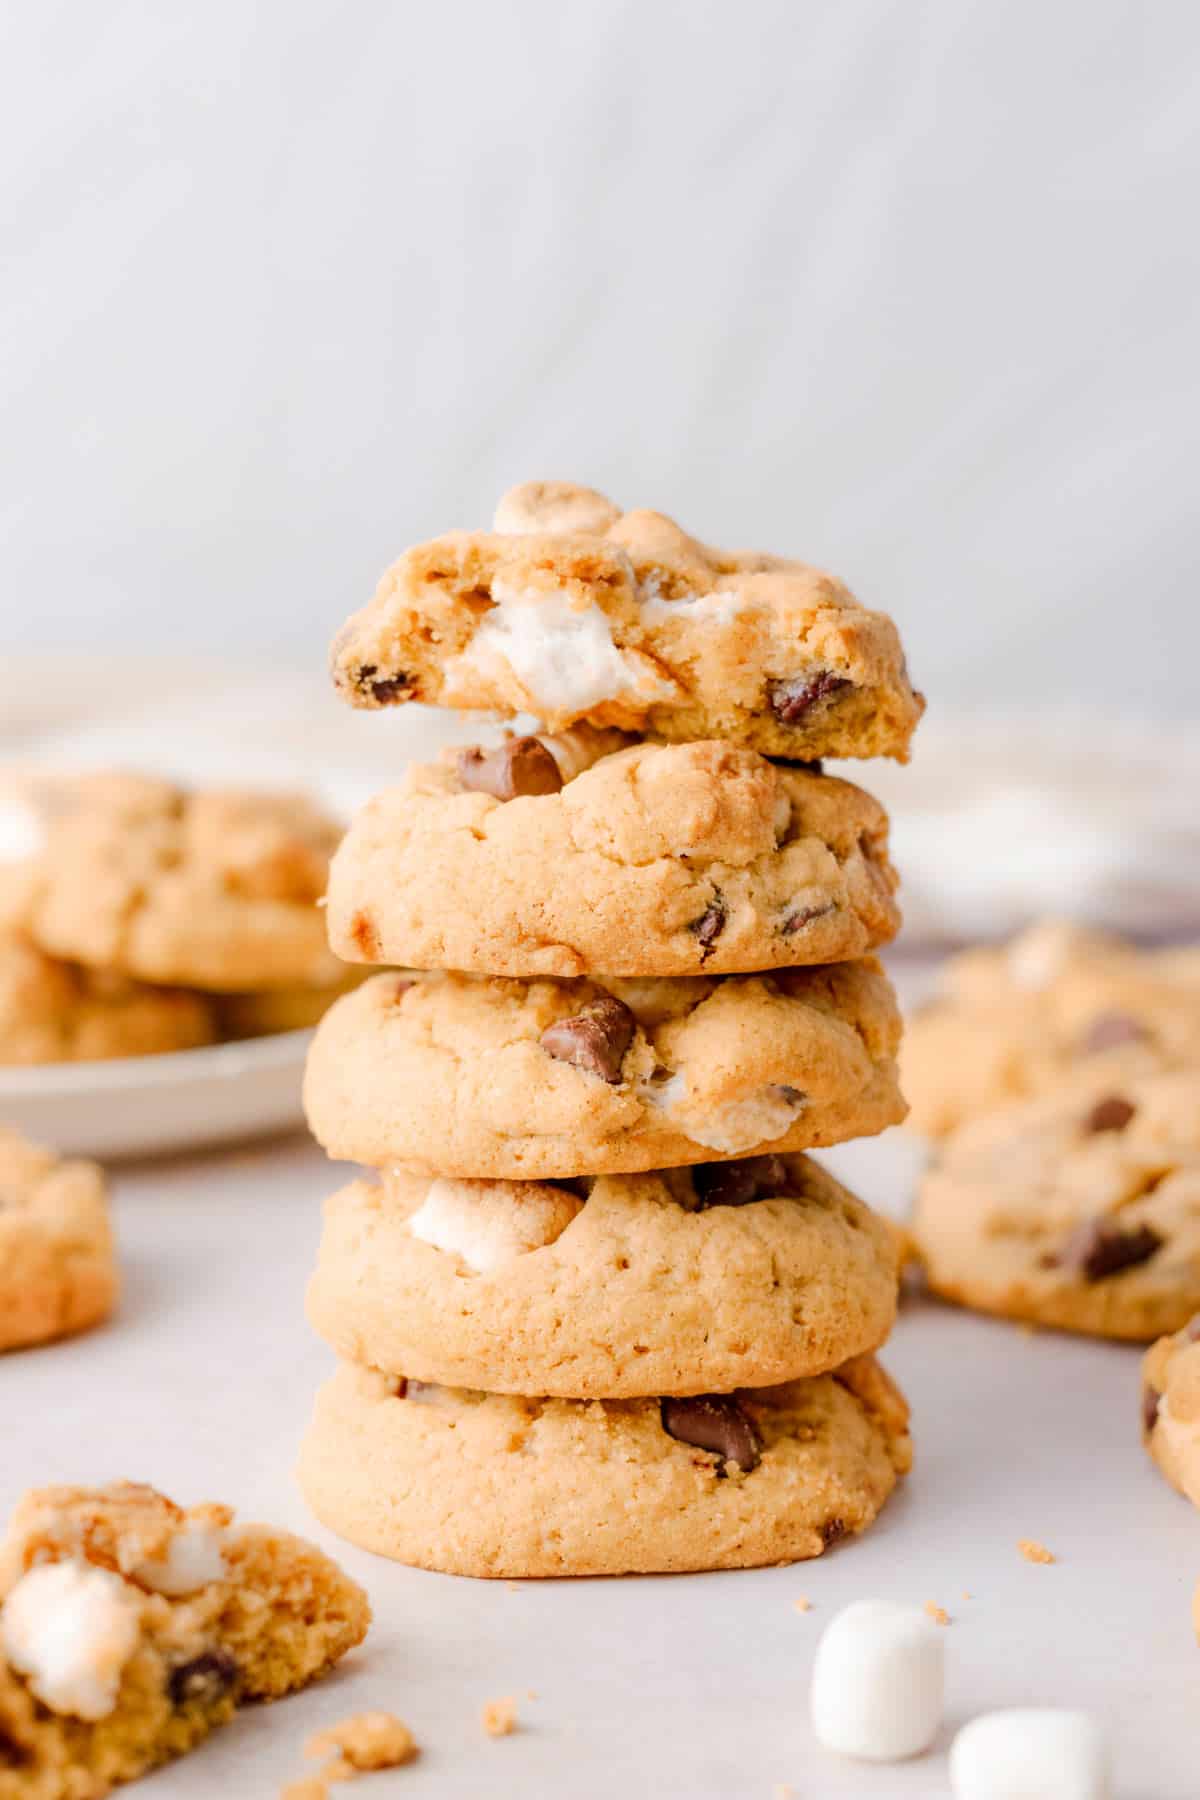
(565, 856)
(1057, 1002)
(129, 1629)
(1079, 1210)
(58, 1271)
(496, 1485)
(461, 1075)
(272, 1010)
(570, 610)
(213, 890)
(738, 1274)
(53, 1011)
(1171, 1407)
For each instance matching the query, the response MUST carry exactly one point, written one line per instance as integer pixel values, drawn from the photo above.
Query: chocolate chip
(811, 765)
(517, 769)
(1109, 1029)
(1113, 1113)
(1150, 1400)
(202, 1681)
(711, 923)
(383, 688)
(738, 1183)
(714, 1422)
(594, 1039)
(12, 1754)
(833, 1531)
(791, 699)
(804, 915)
(1100, 1247)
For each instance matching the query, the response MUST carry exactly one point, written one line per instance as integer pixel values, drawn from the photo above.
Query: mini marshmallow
(1031, 1753)
(71, 1629)
(488, 1223)
(195, 1557)
(563, 655)
(878, 1681)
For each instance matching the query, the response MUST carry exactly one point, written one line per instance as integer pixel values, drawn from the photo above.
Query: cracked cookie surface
(58, 1271)
(130, 1629)
(1057, 1002)
(54, 1011)
(465, 1075)
(1080, 1210)
(208, 889)
(570, 610)
(729, 1275)
(651, 860)
(1171, 1407)
(496, 1485)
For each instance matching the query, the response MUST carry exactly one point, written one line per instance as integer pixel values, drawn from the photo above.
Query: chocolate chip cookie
(130, 1629)
(1079, 1210)
(1057, 1002)
(737, 1274)
(572, 610)
(460, 1075)
(58, 1271)
(487, 1484)
(54, 1011)
(691, 859)
(1171, 1407)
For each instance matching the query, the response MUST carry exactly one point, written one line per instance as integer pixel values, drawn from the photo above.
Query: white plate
(143, 1105)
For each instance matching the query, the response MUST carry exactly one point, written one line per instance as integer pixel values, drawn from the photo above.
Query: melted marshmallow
(487, 1223)
(195, 1557)
(71, 1629)
(758, 1118)
(563, 655)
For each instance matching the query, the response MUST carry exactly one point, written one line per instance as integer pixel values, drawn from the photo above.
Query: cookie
(487, 1484)
(53, 1011)
(213, 890)
(1057, 1002)
(570, 610)
(58, 1269)
(461, 1075)
(272, 1010)
(130, 1629)
(1079, 1210)
(1171, 1407)
(738, 1274)
(650, 860)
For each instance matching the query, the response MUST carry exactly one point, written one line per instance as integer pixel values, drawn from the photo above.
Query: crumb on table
(374, 1740)
(1034, 1552)
(500, 1716)
(802, 1603)
(311, 1788)
(937, 1613)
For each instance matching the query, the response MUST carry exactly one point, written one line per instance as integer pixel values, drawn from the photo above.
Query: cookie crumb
(782, 1790)
(514, 1587)
(1034, 1552)
(374, 1740)
(937, 1613)
(311, 1788)
(1026, 1328)
(500, 1717)
(967, 1595)
(531, 1693)
(802, 1603)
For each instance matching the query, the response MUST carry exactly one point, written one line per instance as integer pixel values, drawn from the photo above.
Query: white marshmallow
(487, 1223)
(195, 1557)
(71, 1629)
(757, 1118)
(563, 655)
(22, 834)
(878, 1681)
(1031, 1753)
(719, 607)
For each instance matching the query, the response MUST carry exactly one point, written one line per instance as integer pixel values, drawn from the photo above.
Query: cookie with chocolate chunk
(1171, 1407)
(1057, 1003)
(58, 1271)
(53, 1011)
(645, 859)
(1080, 1210)
(464, 1075)
(687, 1281)
(496, 1485)
(571, 610)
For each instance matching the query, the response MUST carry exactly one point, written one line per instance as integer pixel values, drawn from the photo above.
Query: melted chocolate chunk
(1113, 1113)
(594, 1039)
(1150, 1400)
(709, 926)
(1100, 1247)
(202, 1681)
(714, 1422)
(516, 770)
(1109, 1029)
(738, 1183)
(790, 700)
(807, 765)
(802, 916)
(833, 1531)
(383, 688)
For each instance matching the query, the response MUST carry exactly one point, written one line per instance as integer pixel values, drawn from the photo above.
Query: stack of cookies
(596, 1312)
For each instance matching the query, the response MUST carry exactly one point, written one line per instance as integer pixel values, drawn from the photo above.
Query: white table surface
(689, 1686)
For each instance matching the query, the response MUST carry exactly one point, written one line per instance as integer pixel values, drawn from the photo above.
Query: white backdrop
(908, 289)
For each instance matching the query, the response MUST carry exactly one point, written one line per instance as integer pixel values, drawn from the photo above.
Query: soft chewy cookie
(214, 890)
(53, 1011)
(57, 1265)
(129, 1629)
(1171, 1407)
(570, 610)
(738, 1274)
(1057, 1002)
(461, 1075)
(488, 1484)
(1080, 1210)
(567, 856)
